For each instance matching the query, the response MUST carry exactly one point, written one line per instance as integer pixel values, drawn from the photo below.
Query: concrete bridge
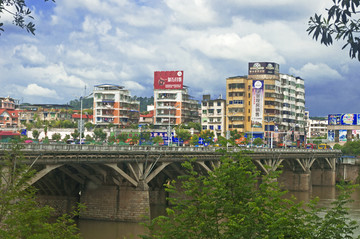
(122, 182)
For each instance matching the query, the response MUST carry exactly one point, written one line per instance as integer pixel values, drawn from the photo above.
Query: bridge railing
(102, 148)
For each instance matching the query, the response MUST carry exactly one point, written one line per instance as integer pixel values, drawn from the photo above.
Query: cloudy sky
(80, 44)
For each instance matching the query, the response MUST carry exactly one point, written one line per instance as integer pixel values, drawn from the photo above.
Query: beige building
(266, 104)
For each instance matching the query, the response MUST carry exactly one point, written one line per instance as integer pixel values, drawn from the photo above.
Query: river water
(91, 229)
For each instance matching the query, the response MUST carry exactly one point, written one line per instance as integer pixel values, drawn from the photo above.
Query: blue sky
(80, 44)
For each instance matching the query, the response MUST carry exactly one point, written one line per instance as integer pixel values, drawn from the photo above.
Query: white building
(213, 115)
(172, 103)
(114, 104)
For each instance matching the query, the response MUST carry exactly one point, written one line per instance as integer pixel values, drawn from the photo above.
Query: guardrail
(102, 148)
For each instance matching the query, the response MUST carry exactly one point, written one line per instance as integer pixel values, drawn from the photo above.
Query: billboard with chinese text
(168, 80)
(344, 119)
(260, 68)
(257, 103)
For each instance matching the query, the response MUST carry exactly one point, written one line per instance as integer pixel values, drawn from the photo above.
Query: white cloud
(29, 54)
(232, 46)
(132, 85)
(316, 72)
(35, 90)
(96, 26)
(192, 12)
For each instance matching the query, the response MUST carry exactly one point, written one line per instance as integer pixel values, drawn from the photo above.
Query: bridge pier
(323, 177)
(325, 174)
(295, 181)
(116, 203)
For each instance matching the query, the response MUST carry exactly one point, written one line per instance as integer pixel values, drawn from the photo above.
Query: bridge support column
(295, 181)
(323, 177)
(116, 203)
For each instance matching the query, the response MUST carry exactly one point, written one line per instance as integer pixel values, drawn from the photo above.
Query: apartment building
(172, 103)
(213, 115)
(266, 104)
(9, 116)
(29, 113)
(114, 104)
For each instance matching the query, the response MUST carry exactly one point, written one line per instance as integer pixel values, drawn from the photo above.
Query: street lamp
(81, 124)
(169, 131)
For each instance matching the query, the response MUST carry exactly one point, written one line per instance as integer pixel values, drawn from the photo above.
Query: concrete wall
(321, 177)
(295, 181)
(347, 172)
(116, 203)
(61, 204)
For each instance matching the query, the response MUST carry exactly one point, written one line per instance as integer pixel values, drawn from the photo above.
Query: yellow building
(266, 104)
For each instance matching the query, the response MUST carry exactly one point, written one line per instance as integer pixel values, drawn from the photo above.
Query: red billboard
(168, 80)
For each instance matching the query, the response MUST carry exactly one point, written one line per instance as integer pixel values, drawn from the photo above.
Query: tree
(258, 141)
(20, 214)
(122, 137)
(207, 135)
(75, 134)
(56, 137)
(135, 139)
(340, 23)
(88, 138)
(194, 140)
(66, 138)
(88, 125)
(158, 139)
(229, 203)
(35, 134)
(183, 134)
(99, 134)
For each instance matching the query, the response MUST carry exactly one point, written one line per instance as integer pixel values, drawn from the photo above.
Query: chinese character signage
(164, 80)
(257, 103)
(260, 68)
(344, 119)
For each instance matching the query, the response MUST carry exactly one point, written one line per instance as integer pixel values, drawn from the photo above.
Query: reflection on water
(92, 229)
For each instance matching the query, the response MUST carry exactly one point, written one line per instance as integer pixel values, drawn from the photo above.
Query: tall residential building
(213, 115)
(114, 104)
(266, 104)
(172, 103)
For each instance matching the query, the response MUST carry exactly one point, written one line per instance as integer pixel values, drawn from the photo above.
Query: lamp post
(169, 130)
(81, 124)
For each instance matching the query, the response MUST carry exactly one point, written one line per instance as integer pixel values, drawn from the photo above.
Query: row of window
(211, 103)
(236, 102)
(211, 127)
(234, 94)
(211, 111)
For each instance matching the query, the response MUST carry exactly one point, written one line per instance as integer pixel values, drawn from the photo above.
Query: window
(204, 111)
(204, 103)
(230, 102)
(204, 127)
(240, 102)
(219, 127)
(218, 111)
(211, 127)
